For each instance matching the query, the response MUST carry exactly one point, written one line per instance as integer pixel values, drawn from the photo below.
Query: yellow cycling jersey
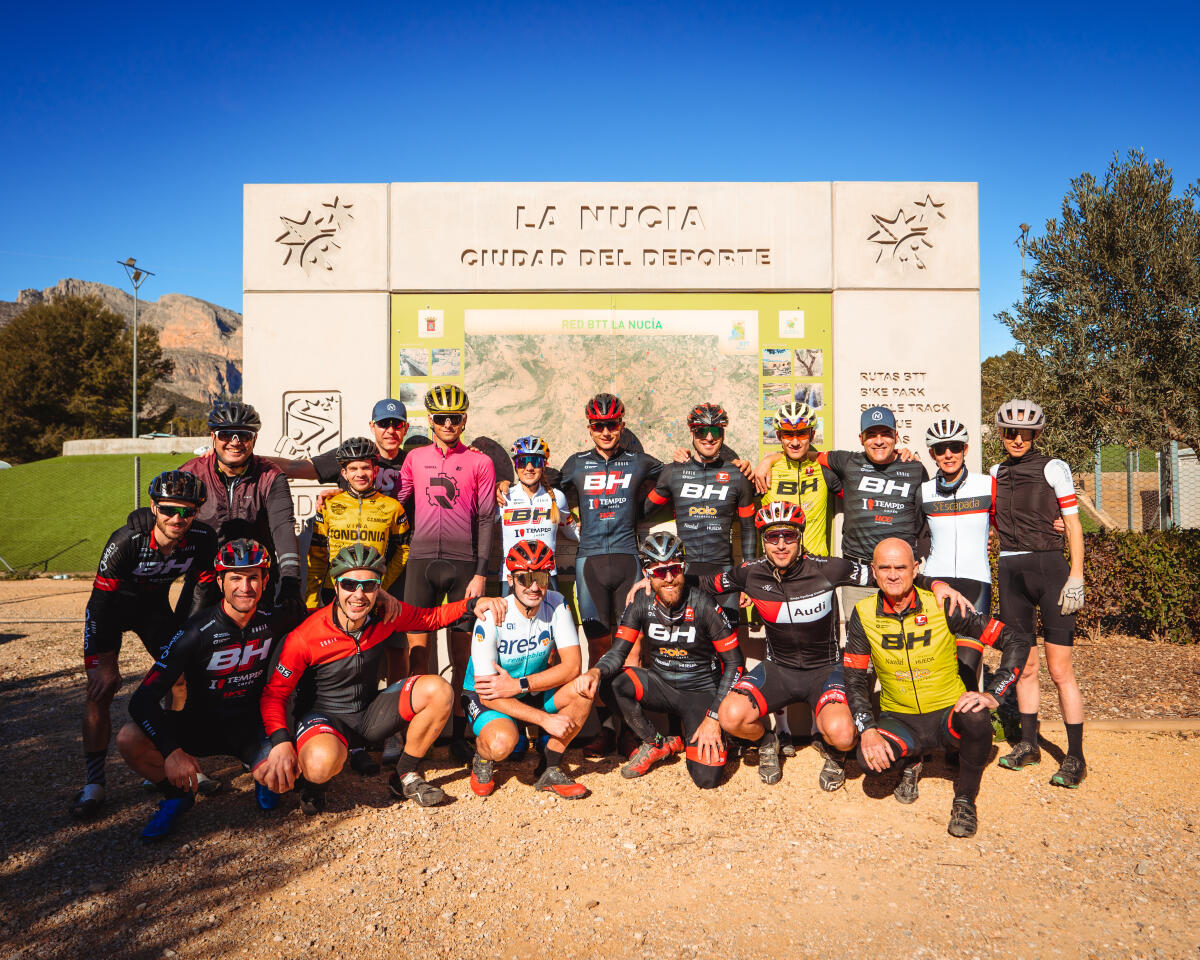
(914, 649)
(809, 485)
(376, 520)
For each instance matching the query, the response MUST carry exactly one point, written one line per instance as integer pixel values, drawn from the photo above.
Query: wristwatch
(525, 685)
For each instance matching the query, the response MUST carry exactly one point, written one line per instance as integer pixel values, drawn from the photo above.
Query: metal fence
(1144, 490)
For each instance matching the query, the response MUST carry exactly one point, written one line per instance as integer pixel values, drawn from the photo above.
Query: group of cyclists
(299, 679)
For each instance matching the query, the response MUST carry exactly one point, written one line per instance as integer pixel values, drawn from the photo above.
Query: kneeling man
(915, 647)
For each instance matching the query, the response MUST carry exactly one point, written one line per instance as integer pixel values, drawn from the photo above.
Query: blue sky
(129, 130)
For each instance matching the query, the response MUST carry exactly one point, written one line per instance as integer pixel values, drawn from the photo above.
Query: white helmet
(1020, 415)
(795, 416)
(941, 431)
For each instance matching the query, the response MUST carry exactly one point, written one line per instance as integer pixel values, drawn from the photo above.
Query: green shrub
(1144, 584)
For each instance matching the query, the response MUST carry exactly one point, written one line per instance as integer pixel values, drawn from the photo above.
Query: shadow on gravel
(10, 637)
(94, 890)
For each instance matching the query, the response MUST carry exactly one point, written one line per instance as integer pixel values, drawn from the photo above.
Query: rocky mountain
(204, 340)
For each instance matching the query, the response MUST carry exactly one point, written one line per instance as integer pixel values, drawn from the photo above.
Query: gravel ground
(648, 868)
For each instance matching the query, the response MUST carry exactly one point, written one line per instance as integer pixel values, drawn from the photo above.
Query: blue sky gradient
(130, 130)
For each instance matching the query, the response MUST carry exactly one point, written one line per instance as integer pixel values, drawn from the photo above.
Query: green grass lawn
(49, 505)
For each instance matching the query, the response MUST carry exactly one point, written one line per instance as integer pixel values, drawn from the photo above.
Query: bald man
(916, 647)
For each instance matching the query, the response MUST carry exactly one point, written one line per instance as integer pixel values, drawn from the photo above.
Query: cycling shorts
(639, 688)
(728, 602)
(602, 582)
(771, 687)
(203, 735)
(976, 591)
(429, 581)
(1034, 580)
(480, 716)
(388, 714)
(152, 620)
(911, 735)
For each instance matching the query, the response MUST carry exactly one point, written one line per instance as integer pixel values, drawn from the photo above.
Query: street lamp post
(137, 276)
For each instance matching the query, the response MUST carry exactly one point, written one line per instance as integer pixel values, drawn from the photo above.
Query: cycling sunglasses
(228, 436)
(600, 426)
(350, 585)
(708, 433)
(781, 536)
(529, 460)
(529, 578)
(183, 513)
(665, 571)
(796, 432)
(1011, 433)
(954, 446)
(391, 423)
(448, 419)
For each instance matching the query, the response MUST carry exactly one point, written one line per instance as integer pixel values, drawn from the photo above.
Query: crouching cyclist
(694, 662)
(224, 655)
(132, 592)
(794, 594)
(510, 681)
(910, 639)
(341, 645)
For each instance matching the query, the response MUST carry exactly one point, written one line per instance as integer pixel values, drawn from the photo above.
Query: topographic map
(539, 384)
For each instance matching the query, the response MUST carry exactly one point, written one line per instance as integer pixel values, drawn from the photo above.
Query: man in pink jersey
(453, 490)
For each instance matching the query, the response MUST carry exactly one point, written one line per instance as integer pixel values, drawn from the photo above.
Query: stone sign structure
(534, 296)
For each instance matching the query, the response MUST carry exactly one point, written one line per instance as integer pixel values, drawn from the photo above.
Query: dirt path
(644, 869)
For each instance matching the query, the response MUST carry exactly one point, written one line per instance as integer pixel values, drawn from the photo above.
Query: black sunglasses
(389, 423)
(447, 419)
(351, 585)
(172, 511)
(954, 446)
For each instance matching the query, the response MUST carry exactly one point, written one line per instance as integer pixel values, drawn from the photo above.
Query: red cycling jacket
(345, 668)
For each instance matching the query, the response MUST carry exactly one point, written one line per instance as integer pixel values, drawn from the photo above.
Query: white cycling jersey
(521, 646)
(958, 528)
(529, 518)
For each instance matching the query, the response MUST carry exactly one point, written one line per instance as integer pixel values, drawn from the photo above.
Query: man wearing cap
(882, 495)
(389, 424)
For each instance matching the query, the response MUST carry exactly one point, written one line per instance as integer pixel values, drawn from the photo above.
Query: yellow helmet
(447, 398)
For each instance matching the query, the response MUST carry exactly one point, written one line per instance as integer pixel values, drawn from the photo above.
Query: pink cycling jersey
(454, 503)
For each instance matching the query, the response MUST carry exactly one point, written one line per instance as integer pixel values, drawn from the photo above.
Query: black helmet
(234, 415)
(357, 556)
(356, 448)
(178, 485)
(708, 415)
(661, 547)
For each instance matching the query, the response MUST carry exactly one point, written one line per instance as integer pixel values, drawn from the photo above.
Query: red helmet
(604, 406)
(778, 514)
(530, 555)
(242, 554)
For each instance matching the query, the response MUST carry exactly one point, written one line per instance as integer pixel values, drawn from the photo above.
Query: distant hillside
(204, 340)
